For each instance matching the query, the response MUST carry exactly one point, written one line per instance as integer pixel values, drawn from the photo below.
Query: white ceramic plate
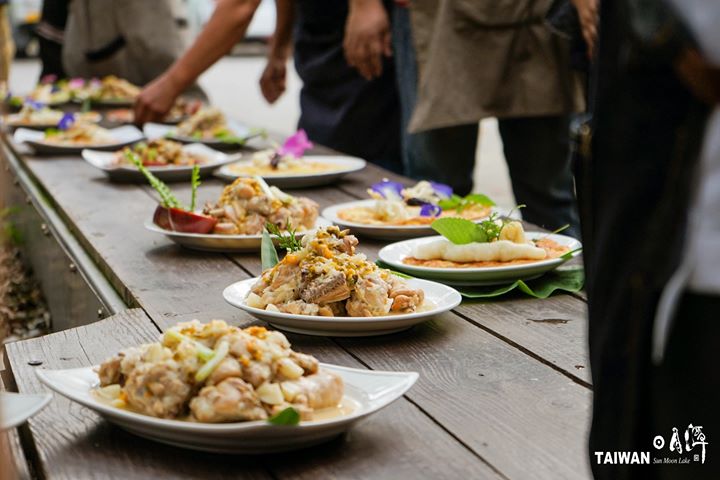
(16, 408)
(159, 130)
(395, 253)
(343, 165)
(15, 121)
(383, 232)
(440, 297)
(219, 243)
(125, 135)
(370, 390)
(126, 173)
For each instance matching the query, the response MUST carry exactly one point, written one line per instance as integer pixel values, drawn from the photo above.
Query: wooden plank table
(503, 391)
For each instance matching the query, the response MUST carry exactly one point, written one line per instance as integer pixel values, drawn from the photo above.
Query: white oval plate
(160, 130)
(384, 232)
(441, 298)
(370, 390)
(395, 253)
(125, 173)
(125, 135)
(345, 166)
(16, 408)
(13, 121)
(208, 242)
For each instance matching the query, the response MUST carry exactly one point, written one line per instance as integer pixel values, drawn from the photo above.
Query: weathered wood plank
(554, 329)
(502, 404)
(72, 442)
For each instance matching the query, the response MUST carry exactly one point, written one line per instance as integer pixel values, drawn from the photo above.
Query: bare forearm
(226, 27)
(281, 43)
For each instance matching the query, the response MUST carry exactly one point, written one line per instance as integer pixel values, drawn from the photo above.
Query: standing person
(132, 39)
(646, 261)
(460, 62)
(51, 35)
(340, 108)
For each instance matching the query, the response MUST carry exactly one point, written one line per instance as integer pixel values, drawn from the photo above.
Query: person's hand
(155, 100)
(272, 80)
(588, 15)
(367, 37)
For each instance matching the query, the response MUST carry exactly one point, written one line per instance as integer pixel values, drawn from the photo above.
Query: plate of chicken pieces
(325, 288)
(219, 388)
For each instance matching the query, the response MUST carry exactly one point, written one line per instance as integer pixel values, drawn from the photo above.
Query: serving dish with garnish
(287, 166)
(235, 222)
(73, 136)
(17, 408)
(493, 251)
(38, 116)
(182, 109)
(323, 287)
(219, 388)
(109, 91)
(208, 126)
(168, 160)
(49, 91)
(395, 211)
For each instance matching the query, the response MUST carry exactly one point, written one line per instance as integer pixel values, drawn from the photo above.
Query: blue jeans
(536, 148)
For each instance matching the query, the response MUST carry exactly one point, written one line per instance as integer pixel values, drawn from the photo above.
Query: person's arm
(225, 28)
(367, 37)
(588, 15)
(272, 81)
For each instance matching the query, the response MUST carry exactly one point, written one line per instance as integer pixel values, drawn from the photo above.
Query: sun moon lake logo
(690, 447)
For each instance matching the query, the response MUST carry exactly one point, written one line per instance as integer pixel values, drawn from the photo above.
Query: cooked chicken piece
(307, 362)
(285, 274)
(326, 289)
(260, 204)
(229, 367)
(158, 389)
(256, 373)
(243, 190)
(298, 307)
(225, 228)
(349, 244)
(320, 390)
(109, 371)
(253, 224)
(231, 400)
(405, 298)
(369, 298)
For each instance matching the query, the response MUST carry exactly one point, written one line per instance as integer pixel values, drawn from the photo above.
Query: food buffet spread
(283, 295)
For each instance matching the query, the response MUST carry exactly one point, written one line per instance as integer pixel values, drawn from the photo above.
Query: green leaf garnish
(86, 104)
(51, 132)
(287, 241)
(194, 184)
(268, 254)
(458, 203)
(167, 199)
(289, 416)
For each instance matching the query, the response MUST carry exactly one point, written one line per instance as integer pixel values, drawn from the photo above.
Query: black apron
(339, 108)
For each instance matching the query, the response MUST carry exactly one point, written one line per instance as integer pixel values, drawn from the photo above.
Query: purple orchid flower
(388, 190)
(52, 78)
(66, 121)
(442, 190)
(34, 105)
(430, 210)
(295, 145)
(76, 83)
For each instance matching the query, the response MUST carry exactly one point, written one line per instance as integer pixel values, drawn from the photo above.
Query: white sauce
(499, 251)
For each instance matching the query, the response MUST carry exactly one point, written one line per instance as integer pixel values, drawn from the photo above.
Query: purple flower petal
(430, 210)
(388, 190)
(66, 121)
(52, 78)
(76, 83)
(296, 145)
(34, 105)
(442, 190)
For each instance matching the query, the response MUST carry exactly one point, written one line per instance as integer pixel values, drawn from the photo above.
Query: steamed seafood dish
(499, 242)
(327, 277)
(248, 203)
(80, 133)
(159, 153)
(205, 124)
(418, 205)
(215, 373)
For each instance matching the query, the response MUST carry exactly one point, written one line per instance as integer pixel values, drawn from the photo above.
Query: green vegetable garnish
(194, 184)
(268, 254)
(212, 364)
(461, 231)
(50, 132)
(458, 203)
(203, 352)
(289, 416)
(86, 104)
(287, 240)
(167, 199)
